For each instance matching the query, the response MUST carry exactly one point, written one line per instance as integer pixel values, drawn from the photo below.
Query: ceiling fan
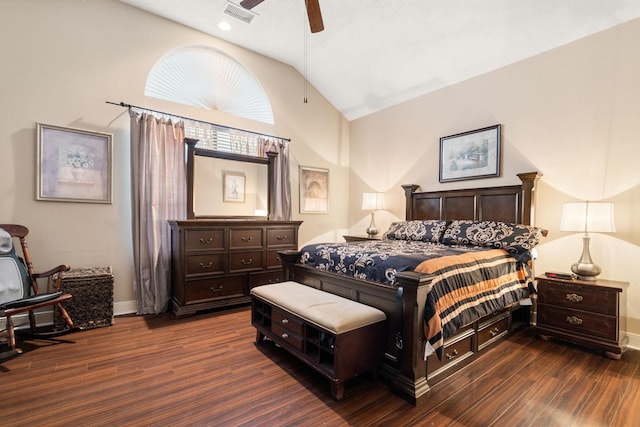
(313, 12)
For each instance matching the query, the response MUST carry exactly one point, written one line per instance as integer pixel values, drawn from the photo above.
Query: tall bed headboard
(513, 203)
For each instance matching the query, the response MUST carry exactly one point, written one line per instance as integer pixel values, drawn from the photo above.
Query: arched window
(208, 78)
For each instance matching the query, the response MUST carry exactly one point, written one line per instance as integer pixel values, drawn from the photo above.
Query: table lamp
(372, 202)
(588, 217)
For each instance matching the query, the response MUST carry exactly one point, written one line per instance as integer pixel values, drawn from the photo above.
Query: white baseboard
(634, 341)
(45, 317)
(125, 307)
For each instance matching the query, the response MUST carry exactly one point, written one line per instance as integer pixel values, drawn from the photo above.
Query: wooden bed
(404, 367)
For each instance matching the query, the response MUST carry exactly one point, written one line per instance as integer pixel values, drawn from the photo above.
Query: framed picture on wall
(314, 190)
(470, 155)
(74, 165)
(233, 187)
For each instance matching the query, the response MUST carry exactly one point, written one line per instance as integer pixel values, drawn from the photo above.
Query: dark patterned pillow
(419, 230)
(511, 237)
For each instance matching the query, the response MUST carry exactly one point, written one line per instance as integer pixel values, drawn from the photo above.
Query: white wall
(571, 113)
(61, 60)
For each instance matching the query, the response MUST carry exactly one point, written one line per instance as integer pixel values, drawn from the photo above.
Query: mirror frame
(192, 151)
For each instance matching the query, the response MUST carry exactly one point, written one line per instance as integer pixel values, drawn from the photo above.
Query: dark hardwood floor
(206, 370)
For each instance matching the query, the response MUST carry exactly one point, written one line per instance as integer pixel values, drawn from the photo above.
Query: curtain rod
(129, 106)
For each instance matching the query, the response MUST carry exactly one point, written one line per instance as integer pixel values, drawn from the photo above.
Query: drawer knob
(212, 289)
(574, 320)
(246, 239)
(279, 237)
(285, 321)
(495, 331)
(574, 297)
(206, 241)
(453, 354)
(202, 265)
(246, 261)
(285, 335)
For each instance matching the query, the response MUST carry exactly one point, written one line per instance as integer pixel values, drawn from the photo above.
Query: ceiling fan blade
(315, 16)
(250, 4)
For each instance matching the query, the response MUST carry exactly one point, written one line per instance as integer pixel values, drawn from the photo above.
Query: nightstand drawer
(578, 322)
(578, 297)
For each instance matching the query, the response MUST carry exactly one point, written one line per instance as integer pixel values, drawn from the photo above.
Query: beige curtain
(282, 184)
(158, 195)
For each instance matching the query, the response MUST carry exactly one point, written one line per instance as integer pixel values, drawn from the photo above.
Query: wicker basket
(92, 302)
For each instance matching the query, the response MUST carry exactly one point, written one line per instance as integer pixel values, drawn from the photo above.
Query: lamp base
(372, 230)
(585, 269)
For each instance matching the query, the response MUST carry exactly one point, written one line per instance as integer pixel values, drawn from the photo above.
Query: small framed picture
(470, 155)
(234, 187)
(74, 165)
(314, 190)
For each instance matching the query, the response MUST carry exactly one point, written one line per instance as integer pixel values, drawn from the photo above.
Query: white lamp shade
(588, 216)
(372, 201)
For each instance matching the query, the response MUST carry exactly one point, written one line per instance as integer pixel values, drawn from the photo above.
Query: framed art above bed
(470, 155)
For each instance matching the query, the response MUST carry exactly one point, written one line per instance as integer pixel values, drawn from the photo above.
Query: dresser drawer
(578, 297)
(243, 238)
(277, 237)
(204, 264)
(245, 261)
(207, 289)
(273, 259)
(204, 239)
(578, 322)
(257, 279)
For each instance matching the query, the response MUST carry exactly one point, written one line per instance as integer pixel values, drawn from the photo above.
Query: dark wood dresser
(215, 263)
(589, 313)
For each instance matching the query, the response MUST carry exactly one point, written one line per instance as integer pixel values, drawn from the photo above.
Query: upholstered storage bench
(338, 337)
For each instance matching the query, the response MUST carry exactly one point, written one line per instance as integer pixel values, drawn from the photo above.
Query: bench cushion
(329, 311)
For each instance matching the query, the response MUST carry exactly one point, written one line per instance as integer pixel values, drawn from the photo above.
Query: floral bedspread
(376, 260)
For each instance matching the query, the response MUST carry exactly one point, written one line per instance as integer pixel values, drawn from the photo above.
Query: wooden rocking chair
(27, 303)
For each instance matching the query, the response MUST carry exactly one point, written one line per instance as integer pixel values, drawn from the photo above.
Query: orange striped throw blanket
(467, 287)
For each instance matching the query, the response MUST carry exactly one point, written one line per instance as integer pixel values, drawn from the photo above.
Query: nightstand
(591, 313)
(361, 238)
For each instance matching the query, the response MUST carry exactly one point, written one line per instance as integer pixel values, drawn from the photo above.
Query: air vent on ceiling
(239, 12)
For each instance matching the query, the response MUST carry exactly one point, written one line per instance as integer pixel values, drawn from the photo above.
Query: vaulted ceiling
(374, 54)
